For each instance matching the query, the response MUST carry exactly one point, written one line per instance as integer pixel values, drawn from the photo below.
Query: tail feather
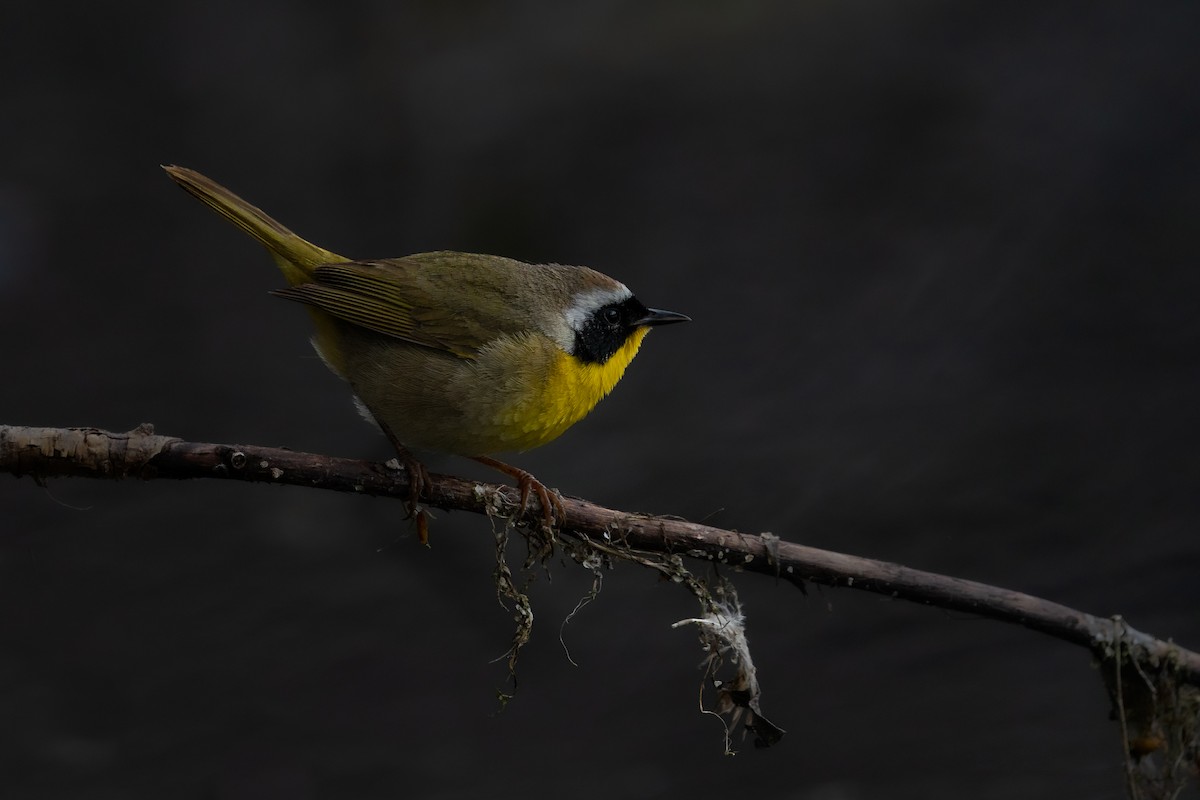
(296, 257)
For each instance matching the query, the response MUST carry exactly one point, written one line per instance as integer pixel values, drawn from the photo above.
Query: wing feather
(446, 307)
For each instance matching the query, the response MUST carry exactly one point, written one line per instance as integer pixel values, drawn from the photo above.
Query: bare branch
(1152, 683)
(89, 452)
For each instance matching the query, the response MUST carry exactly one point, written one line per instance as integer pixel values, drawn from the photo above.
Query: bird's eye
(612, 316)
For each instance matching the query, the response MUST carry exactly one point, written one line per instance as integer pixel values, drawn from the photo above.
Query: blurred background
(941, 260)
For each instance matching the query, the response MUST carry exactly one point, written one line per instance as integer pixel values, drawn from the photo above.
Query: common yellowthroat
(456, 352)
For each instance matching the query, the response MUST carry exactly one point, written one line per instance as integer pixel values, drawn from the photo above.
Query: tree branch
(92, 453)
(87, 452)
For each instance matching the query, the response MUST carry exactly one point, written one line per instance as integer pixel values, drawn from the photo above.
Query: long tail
(296, 257)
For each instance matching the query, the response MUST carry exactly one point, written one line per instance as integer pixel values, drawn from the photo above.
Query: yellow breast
(570, 390)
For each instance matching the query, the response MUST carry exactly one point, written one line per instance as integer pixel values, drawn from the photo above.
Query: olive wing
(447, 301)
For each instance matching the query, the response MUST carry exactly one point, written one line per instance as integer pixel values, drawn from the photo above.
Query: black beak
(653, 316)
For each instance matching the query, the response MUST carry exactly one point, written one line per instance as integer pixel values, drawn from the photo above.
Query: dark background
(941, 259)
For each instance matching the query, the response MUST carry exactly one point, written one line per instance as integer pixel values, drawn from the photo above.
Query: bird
(451, 352)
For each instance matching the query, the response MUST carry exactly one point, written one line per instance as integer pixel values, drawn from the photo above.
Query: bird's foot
(418, 484)
(552, 507)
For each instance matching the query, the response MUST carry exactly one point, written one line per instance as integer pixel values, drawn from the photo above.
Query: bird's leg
(551, 505)
(418, 483)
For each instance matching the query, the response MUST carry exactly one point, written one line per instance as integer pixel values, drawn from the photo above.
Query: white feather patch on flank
(365, 412)
(586, 303)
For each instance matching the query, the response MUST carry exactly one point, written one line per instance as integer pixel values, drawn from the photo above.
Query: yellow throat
(570, 391)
